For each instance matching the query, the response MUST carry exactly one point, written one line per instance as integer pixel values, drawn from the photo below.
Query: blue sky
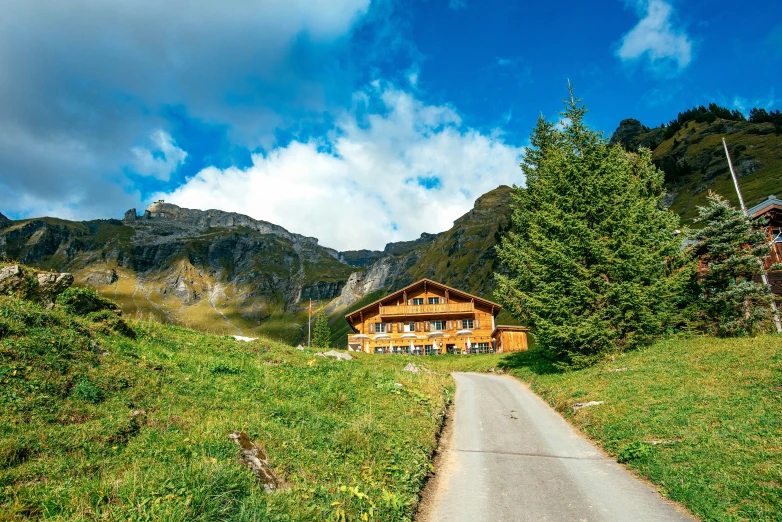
(355, 121)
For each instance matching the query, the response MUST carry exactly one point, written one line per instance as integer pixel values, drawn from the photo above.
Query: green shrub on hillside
(82, 300)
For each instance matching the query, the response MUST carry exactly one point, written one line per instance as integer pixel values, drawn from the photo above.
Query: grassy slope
(341, 434)
(715, 403)
(701, 144)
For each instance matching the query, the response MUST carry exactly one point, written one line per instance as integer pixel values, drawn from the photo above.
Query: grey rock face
(130, 216)
(50, 285)
(4, 221)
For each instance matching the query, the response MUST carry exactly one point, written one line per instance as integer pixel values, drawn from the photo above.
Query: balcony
(426, 309)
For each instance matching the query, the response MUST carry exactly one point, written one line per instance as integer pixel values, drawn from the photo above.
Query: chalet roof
(765, 205)
(435, 284)
(508, 328)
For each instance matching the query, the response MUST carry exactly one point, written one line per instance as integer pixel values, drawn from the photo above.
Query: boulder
(340, 356)
(43, 287)
(412, 368)
(254, 456)
(50, 286)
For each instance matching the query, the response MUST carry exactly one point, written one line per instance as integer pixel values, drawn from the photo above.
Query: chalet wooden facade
(425, 318)
(771, 210)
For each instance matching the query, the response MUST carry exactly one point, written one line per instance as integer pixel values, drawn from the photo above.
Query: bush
(81, 300)
(88, 392)
(108, 322)
(637, 450)
(225, 369)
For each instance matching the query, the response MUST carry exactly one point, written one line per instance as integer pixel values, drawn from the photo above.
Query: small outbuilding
(510, 339)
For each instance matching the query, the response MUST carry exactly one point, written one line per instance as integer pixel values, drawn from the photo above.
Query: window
(434, 300)
(467, 324)
(380, 327)
(418, 301)
(409, 327)
(436, 326)
(480, 348)
(428, 349)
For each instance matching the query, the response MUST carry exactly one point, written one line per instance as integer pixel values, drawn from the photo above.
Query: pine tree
(732, 252)
(594, 264)
(321, 332)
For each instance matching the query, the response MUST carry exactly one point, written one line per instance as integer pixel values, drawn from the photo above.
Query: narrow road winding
(512, 457)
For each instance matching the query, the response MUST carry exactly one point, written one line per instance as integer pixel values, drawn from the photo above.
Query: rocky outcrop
(41, 287)
(4, 221)
(130, 216)
(632, 135)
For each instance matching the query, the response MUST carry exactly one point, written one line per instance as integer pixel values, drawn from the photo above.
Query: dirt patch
(438, 479)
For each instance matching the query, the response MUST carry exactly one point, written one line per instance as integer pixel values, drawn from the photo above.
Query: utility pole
(763, 275)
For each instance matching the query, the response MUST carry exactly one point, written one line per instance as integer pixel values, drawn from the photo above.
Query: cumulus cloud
(84, 81)
(387, 176)
(160, 161)
(656, 38)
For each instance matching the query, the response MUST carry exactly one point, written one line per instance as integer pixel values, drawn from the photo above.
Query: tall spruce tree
(732, 250)
(594, 263)
(321, 332)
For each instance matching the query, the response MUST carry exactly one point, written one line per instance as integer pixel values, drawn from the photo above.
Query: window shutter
(477, 323)
(388, 327)
(417, 326)
(371, 327)
(426, 326)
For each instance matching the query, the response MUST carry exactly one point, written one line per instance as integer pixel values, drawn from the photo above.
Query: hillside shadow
(533, 360)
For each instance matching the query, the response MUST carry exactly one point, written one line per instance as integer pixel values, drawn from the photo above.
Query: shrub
(225, 369)
(81, 300)
(108, 322)
(634, 451)
(87, 391)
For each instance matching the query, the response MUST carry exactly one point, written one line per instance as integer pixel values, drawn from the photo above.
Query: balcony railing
(426, 309)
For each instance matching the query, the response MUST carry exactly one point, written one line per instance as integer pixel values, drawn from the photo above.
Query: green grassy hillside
(346, 440)
(694, 162)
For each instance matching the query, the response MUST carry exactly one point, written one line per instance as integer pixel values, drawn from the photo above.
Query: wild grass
(347, 440)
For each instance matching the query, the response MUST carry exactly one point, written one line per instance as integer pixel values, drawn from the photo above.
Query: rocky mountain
(229, 273)
(691, 154)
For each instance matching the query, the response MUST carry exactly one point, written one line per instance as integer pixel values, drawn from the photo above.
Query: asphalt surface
(512, 457)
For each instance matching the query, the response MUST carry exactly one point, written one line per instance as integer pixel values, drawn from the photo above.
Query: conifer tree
(732, 252)
(321, 332)
(594, 263)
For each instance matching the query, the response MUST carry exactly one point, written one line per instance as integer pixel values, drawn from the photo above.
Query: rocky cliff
(227, 272)
(214, 270)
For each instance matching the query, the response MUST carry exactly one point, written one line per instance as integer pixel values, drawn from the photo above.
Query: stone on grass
(412, 368)
(300, 348)
(245, 339)
(254, 456)
(580, 405)
(340, 356)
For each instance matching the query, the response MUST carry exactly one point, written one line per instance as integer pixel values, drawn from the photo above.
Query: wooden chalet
(771, 210)
(427, 318)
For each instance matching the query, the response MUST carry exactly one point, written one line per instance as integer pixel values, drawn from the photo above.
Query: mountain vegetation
(689, 151)
(131, 420)
(595, 264)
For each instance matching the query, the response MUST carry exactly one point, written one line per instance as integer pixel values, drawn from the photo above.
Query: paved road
(512, 457)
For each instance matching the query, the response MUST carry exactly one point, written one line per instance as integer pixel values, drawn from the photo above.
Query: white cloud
(362, 186)
(160, 161)
(656, 38)
(84, 81)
